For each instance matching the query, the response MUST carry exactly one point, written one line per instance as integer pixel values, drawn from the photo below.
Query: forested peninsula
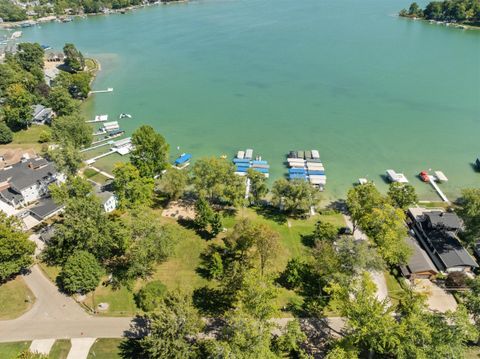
(465, 12)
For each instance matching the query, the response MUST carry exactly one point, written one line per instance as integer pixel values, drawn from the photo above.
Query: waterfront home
(106, 196)
(41, 115)
(45, 208)
(27, 181)
(437, 231)
(419, 264)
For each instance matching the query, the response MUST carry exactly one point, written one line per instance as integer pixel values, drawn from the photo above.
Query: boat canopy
(183, 158)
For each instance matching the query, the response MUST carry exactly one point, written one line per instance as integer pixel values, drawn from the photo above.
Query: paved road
(377, 277)
(57, 316)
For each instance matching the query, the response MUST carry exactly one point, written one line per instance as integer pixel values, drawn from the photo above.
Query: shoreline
(454, 25)
(68, 18)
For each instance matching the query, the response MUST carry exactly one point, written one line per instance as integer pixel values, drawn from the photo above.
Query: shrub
(6, 135)
(45, 136)
(456, 280)
(150, 296)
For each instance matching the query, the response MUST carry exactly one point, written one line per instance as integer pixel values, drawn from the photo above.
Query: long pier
(97, 146)
(110, 89)
(439, 191)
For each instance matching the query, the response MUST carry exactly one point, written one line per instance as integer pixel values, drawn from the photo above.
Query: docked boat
(183, 161)
(424, 176)
(477, 163)
(396, 177)
(124, 115)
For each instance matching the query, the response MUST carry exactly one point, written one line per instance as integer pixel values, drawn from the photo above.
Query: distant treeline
(12, 12)
(462, 11)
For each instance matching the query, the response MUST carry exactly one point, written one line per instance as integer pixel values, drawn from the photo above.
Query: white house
(107, 198)
(27, 181)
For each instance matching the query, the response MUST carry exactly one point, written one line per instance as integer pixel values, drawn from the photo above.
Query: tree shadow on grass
(210, 301)
(190, 224)
(271, 213)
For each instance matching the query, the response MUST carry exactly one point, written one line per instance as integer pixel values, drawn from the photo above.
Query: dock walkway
(439, 191)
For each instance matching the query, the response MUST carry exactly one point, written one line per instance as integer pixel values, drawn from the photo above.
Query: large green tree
(173, 183)
(169, 330)
(470, 213)
(72, 130)
(150, 153)
(81, 273)
(16, 251)
(361, 200)
(17, 107)
(73, 58)
(294, 197)
(214, 179)
(61, 102)
(67, 158)
(402, 195)
(132, 190)
(258, 185)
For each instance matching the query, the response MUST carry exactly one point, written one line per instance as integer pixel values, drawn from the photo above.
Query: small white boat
(125, 115)
(362, 181)
(440, 176)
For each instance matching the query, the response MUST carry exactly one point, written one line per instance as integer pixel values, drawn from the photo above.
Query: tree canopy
(214, 179)
(81, 273)
(150, 153)
(131, 189)
(16, 249)
(294, 197)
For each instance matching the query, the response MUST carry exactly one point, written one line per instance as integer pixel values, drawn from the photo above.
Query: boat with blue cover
(245, 161)
(183, 161)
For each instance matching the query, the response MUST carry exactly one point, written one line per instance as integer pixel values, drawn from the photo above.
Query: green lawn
(95, 176)
(120, 302)
(179, 271)
(51, 272)
(105, 349)
(11, 350)
(60, 349)
(15, 298)
(395, 290)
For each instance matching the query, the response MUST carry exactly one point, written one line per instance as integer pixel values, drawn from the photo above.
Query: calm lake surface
(369, 90)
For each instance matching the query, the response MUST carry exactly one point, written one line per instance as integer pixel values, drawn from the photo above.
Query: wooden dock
(439, 191)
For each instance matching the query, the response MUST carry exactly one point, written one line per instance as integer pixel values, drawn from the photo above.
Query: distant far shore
(67, 18)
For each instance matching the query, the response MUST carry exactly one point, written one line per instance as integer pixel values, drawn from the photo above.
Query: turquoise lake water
(370, 90)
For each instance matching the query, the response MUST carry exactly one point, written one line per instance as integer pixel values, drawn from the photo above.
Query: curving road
(57, 316)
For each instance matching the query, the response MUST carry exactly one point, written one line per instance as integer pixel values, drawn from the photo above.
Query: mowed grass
(60, 349)
(95, 176)
(15, 298)
(105, 349)
(394, 288)
(51, 272)
(120, 301)
(180, 270)
(11, 350)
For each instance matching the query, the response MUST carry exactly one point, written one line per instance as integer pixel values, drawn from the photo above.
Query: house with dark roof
(419, 264)
(437, 232)
(41, 115)
(45, 208)
(27, 181)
